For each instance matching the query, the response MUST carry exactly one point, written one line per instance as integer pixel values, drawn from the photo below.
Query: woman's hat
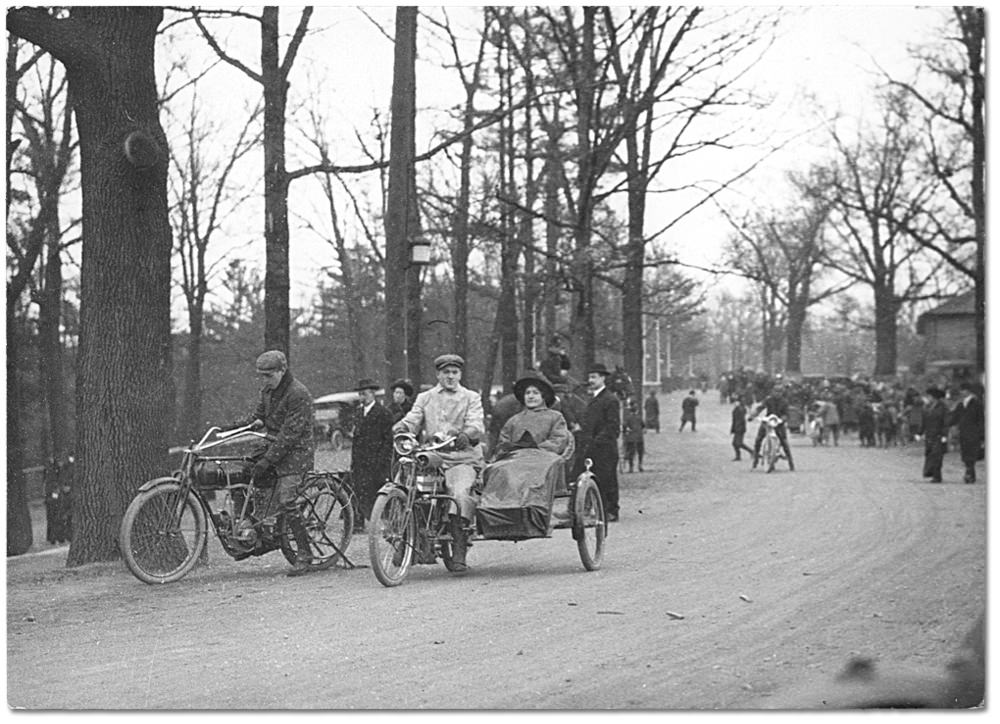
(405, 386)
(366, 383)
(534, 379)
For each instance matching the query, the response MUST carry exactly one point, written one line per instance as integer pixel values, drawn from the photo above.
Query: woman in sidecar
(528, 468)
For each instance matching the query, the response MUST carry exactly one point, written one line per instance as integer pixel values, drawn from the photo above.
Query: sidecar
(527, 495)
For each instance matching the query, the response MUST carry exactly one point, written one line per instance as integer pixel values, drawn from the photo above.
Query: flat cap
(273, 359)
(447, 360)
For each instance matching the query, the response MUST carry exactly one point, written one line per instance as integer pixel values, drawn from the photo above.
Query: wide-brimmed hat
(599, 368)
(272, 360)
(405, 386)
(366, 383)
(534, 379)
(935, 393)
(446, 360)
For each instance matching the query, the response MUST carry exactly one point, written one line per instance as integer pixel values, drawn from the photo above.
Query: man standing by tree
(688, 406)
(371, 449)
(285, 413)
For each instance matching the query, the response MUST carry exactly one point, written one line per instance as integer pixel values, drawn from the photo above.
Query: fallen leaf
(615, 613)
(745, 598)
(675, 615)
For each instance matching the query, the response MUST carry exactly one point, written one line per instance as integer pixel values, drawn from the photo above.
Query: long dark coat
(935, 429)
(598, 440)
(371, 454)
(971, 423)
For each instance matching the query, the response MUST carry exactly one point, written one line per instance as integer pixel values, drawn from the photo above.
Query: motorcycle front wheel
(329, 518)
(391, 537)
(163, 532)
(771, 453)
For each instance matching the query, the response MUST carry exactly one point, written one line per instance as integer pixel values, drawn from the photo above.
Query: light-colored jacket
(439, 412)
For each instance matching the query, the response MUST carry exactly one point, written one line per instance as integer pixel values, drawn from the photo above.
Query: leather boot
(303, 556)
(459, 545)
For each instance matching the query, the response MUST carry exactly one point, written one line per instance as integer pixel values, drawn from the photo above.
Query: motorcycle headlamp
(404, 443)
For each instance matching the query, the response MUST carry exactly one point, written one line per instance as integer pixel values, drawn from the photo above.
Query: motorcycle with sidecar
(410, 521)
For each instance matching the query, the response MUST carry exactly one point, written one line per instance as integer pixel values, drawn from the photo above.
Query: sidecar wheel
(329, 517)
(163, 532)
(391, 537)
(589, 524)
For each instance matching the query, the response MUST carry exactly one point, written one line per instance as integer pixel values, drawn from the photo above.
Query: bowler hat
(446, 360)
(531, 378)
(272, 360)
(599, 368)
(405, 386)
(366, 383)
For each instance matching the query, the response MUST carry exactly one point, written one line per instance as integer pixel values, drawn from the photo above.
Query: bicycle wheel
(163, 532)
(589, 524)
(391, 538)
(329, 518)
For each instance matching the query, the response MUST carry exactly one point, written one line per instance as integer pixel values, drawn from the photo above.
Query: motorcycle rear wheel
(590, 526)
(329, 518)
(163, 532)
(391, 538)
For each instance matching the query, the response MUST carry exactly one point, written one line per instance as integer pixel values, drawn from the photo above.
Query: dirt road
(722, 588)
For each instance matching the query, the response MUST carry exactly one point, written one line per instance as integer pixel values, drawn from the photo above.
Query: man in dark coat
(935, 433)
(285, 413)
(598, 439)
(371, 449)
(739, 428)
(652, 409)
(968, 415)
(688, 406)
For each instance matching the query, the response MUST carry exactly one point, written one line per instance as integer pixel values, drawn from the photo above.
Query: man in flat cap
(371, 448)
(597, 438)
(285, 413)
(450, 410)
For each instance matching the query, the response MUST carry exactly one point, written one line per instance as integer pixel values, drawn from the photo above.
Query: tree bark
(397, 217)
(124, 385)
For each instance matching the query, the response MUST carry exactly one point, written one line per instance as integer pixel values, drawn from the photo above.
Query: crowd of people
(880, 413)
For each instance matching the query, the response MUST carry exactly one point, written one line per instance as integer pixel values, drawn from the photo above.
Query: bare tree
(955, 133)
(879, 202)
(202, 197)
(273, 78)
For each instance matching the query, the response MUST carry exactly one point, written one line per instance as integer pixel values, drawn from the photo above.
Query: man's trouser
(288, 493)
(459, 481)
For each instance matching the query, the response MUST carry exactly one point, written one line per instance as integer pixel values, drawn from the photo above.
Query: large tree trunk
(583, 316)
(277, 317)
(124, 387)
(793, 336)
(19, 532)
(397, 241)
(886, 310)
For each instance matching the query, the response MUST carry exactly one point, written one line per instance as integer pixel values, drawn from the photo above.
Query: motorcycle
(164, 531)
(410, 521)
(770, 448)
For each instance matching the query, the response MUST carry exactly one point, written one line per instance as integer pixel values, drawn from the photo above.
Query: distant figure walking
(688, 405)
(935, 430)
(634, 444)
(739, 428)
(652, 409)
(969, 417)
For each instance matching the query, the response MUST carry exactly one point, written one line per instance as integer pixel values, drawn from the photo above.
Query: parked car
(334, 414)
